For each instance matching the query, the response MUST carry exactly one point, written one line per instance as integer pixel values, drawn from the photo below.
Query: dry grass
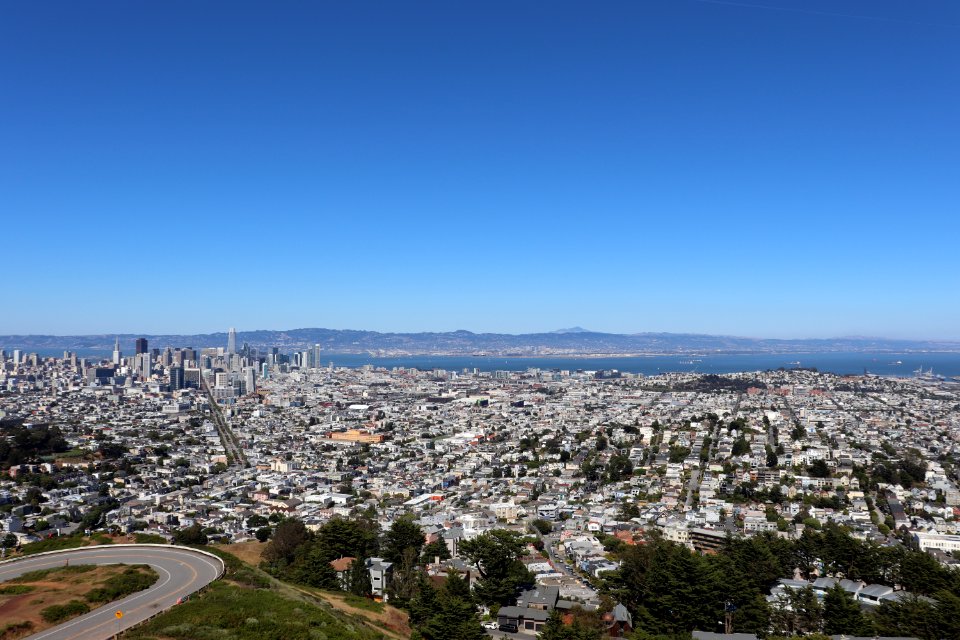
(390, 620)
(249, 552)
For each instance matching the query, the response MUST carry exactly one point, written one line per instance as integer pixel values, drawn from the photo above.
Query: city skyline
(766, 169)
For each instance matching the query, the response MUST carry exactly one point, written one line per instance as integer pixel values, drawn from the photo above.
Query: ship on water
(927, 375)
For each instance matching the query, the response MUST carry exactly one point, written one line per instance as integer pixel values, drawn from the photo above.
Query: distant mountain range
(574, 341)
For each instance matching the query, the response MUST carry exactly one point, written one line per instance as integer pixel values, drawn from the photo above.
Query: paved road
(182, 571)
(227, 437)
(692, 485)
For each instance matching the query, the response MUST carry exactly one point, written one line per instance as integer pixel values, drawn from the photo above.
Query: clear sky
(651, 165)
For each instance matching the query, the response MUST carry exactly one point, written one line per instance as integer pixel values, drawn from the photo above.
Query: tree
(771, 456)
(741, 446)
(434, 550)
(819, 469)
(9, 541)
(310, 566)
(255, 521)
(344, 538)
(263, 534)
(542, 526)
(287, 538)
(358, 578)
(403, 534)
(619, 467)
(797, 611)
(405, 578)
(910, 616)
(842, 615)
(191, 535)
(497, 557)
(447, 613)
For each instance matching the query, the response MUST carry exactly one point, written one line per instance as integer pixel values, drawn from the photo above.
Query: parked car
(509, 628)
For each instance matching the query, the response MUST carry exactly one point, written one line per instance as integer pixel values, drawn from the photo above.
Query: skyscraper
(144, 365)
(231, 341)
(176, 378)
(316, 356)
(141, 345)
(249, 380)
(116, 352)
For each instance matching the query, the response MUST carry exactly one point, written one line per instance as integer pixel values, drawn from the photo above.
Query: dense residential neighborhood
(584, 468)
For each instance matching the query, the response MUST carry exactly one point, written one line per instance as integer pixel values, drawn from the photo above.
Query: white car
(490, 625)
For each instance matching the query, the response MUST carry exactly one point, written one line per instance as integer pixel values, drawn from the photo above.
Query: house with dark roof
(543, 598)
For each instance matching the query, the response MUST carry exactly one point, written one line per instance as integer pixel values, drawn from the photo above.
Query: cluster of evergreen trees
(298, 555)
(19, 444)
(671, 590)
(447, 612)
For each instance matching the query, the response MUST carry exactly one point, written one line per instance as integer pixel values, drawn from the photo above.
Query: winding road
(182, 571)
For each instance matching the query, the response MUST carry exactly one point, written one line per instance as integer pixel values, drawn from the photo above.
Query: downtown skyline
(749, 169)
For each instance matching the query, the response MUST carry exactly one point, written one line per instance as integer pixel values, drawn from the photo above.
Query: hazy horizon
(240, 330)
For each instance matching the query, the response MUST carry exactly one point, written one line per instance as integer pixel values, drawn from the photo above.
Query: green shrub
(60, 612)
(16, 589)
(15, 629)
(149, 538)
(133, 579)
(54, 544)
(43, 574)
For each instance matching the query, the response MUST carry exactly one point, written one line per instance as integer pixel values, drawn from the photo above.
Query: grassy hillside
(250, 605)
(228, 611)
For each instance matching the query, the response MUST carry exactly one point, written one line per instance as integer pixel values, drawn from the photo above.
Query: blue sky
(653, 165)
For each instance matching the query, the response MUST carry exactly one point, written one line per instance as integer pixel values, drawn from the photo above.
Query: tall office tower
(144, 366)
(16, 357)
(176, 378)
(116, 351)
(3, 355)
(249, 380)
(167, 358)
(316, 356)
(231, 341)
(141, 345)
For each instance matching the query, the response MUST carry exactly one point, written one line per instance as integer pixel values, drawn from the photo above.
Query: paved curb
(125, 545)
